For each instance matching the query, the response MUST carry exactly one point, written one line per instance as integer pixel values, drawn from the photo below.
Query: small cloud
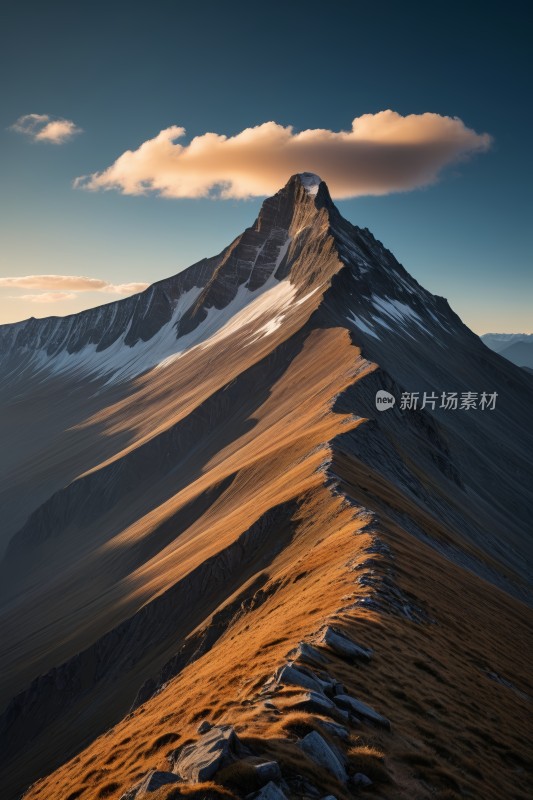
(43, 128)
(382, 153)
(78, 283)
(65, 287)
(45, 297)
(125, 288)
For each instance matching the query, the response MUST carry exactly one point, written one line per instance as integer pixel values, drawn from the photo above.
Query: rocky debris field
(305, 684)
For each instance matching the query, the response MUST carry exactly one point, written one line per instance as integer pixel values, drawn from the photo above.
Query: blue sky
(124, 71)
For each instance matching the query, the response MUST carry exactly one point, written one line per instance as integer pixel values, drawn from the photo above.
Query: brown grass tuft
(370, 761)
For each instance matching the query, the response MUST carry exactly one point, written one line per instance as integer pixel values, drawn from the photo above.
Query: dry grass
(198, 791)
(370, 761)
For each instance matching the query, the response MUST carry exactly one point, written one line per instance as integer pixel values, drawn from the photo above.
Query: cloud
(67, 284)
(382, 153)
(43, 128)
(78, 283)
(45, 297)
(125, 288)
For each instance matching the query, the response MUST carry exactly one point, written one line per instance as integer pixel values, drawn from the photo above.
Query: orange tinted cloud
(77, 283)
(382, 153)
(46, 297)
(67, 283)
(43, 128)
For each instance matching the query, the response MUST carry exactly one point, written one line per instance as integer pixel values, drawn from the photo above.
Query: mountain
(516, 347)
(199, 477)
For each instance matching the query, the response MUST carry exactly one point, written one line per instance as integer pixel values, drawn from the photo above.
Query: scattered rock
(270, 792)
(314, 702)
(199, 761)
(155, 780)
(363, 781)
(368, 602)
(292, 676)
(308, 654)
(151, 782)
(267, 771)
(131, 793)
(335, 729)
(379, 547)
(204, 726)
(345, 715)
(321, 753)
(301, 788)
(343, 646)
(348, 703)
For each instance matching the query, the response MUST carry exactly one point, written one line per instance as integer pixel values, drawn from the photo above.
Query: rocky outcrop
(357, 707)
(292, 676)
(334, 729)
(200, 761)
(321, 753)
(269, 792)
(306, 653)
(361, 781)
(313, 702)
(153, 781)
(219, 754)
(340, 644)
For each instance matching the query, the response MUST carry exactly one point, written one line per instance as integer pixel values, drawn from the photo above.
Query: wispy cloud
(382, 153)
(45, 297)
(66, 287)
(44, 128)
(124, 288)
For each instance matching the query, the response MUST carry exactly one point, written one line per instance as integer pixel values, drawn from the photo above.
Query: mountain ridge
(263, 399)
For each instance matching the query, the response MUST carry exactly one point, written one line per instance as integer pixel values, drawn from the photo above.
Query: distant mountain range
(266, 533)
(516, 347)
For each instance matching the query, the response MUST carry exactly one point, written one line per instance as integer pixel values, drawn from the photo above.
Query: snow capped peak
(310, 182)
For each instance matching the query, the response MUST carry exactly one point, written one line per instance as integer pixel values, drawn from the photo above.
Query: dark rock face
(139, 317)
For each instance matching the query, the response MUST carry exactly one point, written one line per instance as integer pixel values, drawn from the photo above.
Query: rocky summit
(266, 534)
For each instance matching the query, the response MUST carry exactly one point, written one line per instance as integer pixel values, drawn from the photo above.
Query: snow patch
(362, 325)
(398, 311)
(275, 323)
(119, 360)
(310, 182)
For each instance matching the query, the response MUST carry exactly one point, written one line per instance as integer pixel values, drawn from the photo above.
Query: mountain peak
(307, 185)
(304, 192)
(309, 181)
